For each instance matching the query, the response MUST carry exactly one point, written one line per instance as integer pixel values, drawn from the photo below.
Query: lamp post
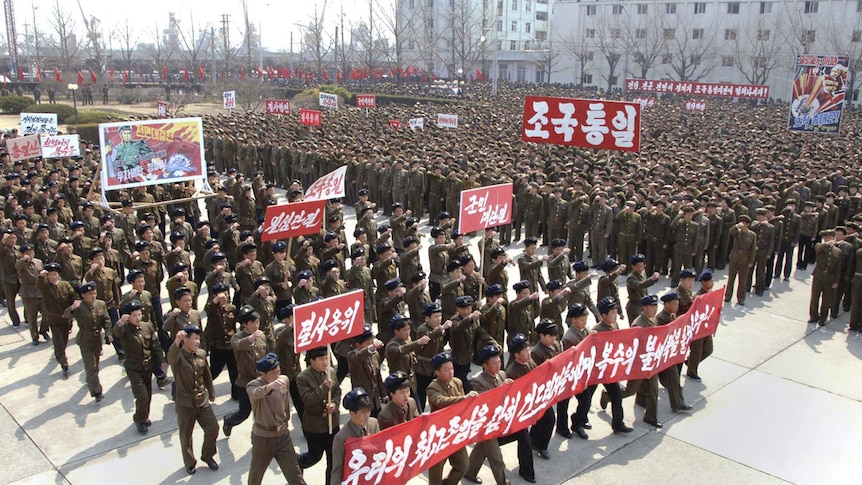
(74, 89)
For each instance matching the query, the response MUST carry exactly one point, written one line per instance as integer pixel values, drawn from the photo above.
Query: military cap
(547, 326)
(179, 267)
(669, 297)
(444, 215)
(92, 254)
(464, 301)
(638, 258)
(190, 329)
(316, 353)
(497, 252)
(267, 363)
(487, 352)
(687, 273)
(26, 247)
(494, 290)
(219, 288)
(554, 285)
(362, 192)
(580, 266)
(436, 231)
(330, 236)
(231, 218)
(365, 335)
(609, 264)
(278, 247)
(558, 243)
(52, 267)
(706, 275)
(397, 380)
(88, 286)
(130, 306)
(517, 343)
(530, 241)
(134, 274)
(247, 314)
(393, 283)
(383, 247)
(248, 247)
(607, 304)
(649, 300)
(106, 217)
(438, 360)
(142, 246)
(304, 275)
(181, 291)
(329, 264)
(73, 226)
(455, 235)
(284, 312)
(576, 310)
(418, 276)
(398, 321)
(353, 400)
(357, 252)
(744, 218)
(431, 308)
(128, 203)
(177, 235)
(217, 256)
(521, 285)
(382, 228)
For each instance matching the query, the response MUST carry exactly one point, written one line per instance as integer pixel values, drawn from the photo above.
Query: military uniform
(9, 256)
(578, 222)
(315, 420)
(741, 259)
(194, 392)
(827, 270)
(142, 348)
(765, 248)
(271, 433)
(521, 319)
(247, 352)
(646, 389)
(365, 373)
(630, 232)
(393, 414)
(28, 274)
(636, 286)
(57, 299)
(601, 223)
(350, 430)
(220, 329)
(92, 320)
(440, 395)
(684, 237)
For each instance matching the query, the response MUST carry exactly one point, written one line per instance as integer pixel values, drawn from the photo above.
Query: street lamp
(74, 89)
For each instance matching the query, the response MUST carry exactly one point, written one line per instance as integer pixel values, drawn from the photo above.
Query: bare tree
(127, 39)
(425, 37)
(159, 50)
(801, 30)
(689, 48)
(396, 26)
(67, 45)
(847, 40)
(643, 38)
(317, 42)
(758, 48)
(549, 55)
(577, 46)
(610, 45)
(191, 43)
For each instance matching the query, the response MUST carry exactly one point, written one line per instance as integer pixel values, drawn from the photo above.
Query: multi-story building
(602, 42)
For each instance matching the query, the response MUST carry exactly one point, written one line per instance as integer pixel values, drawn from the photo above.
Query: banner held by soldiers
(819, 86)
(278, 106)
(397, 454)
(23, 147)
(329, 320)
(485, 207)
(309, 117)
(447, 120)
(586, 123)
(327, 187)
(229, 100)
(38, 123)
(60, 146)
(366, 101)
(328, 100)
(292, 220)
(151, 152)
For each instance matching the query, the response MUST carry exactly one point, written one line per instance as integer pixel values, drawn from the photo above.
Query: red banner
(395, 124)
(292, 220)
(327, 187)
(586, 123)
(23, 147)
(704, 89)
(397, 454)
(278, 106)
(485, 207)
(309, 117)
(329, 320)
(366, 101)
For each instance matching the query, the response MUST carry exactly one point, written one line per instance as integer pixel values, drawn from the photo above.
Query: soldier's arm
(449, 286)
(173, 355)
(256, 390)
(438, 399)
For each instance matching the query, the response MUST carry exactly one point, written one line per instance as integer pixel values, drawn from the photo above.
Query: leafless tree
(576, 45)
(127, 39)
(67, 44)
(191, 44)
(465, 20)
(317, 42)
(643, 38)
(425, 37)
(549, 53)
(689, 48)
(801, 29)
(610, 45)
(758, 48)
(395, 24)
(846, 40)
(158, 50)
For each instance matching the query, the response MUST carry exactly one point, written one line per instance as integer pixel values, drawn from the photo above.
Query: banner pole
(482, 264)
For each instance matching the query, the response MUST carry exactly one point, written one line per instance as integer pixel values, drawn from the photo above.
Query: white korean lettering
(538, 121)
(624, 124)
(595, 127)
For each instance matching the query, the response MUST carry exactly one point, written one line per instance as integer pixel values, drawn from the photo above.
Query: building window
(540, 76)
(499, 26)
(590, 56)
(527, 45)
(669, 34)
(808, 36)
(695, 60)
(670, 8)
(542, 16)
(643, 8)
(857, 36)
(760, 62)
(733, 7)
(765, 7)
(527, 27)
(590, 34)
(613, 80)
(763, 34)
(726, 61)
(410, 44)
(541, 35)
(500, 8)
(513, 45)
(666, 58)
(640, 33)
(615, 33)
(499, 45)
(522, 74)
(811, 7)
(591, 9)
(528, 5)
(858, 9)
(617, 9)
(729, 34)
(429, 22)
(514, 26)
(587, 78)
(514, 5)
(697, 34)
(503, 72)
(700, 7)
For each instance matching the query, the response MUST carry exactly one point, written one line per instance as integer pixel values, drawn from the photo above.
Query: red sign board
(395, 124)
(309, 117)
(397, 454)
(292, 220)
(323, 322)
(23, 147)
(278, 106)
(366, 100)
(485, 207)
(586, 123)
(703, 89)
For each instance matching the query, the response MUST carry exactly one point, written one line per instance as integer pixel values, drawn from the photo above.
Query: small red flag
(93, 76)
(80, 77)
(57, 75)
(20, 73)
(242, 73)
(201, 73)
(111, 76)
(164, 72)
(186, 74)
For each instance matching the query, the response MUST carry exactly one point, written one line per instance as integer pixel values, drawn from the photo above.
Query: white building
(603, 42)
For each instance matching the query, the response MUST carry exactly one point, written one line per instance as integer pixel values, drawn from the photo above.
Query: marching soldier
(637, 284)
(249, 346)
(320, 393)
(220, 329)
(646, 389)
(358, 403)
(401, 407)
(364, 362)
(577, 332)
(608, 308)
(444, 391)
(827, 270)
(401, 350)
(92, 317)
(744, 244)
(700, 349)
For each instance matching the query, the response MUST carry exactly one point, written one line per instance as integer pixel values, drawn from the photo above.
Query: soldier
(9, 256)
(358, 403)
(601, 223)
(434, 329)
(364, 362)
(646, 389)
(278, 272)
(744, 243)
(669, 378)
(555, 303)
(577, 332)
(789, 240)
(182, 315)
(684, 235)
(778, 222)
(548, 347)
(808, 230)
(438, 256)
(630, 229)
(436, 193)
(28, 269)
(765, 233)
(320, 393)
(608, 284)
(700, 349)
(581, 287)
(417, 297)
(715, 234)
(194, 393)
(284, 347)
(92, 317)
(530, 265)
(220, 329)
(220, 274)
(142, 348)
(533, 207)
(827, 270)
(401, 407)
(401, 350)
(608, 308)
(497, 274)
(856, 296)
(520, 365)
(558, 209)
(247, 272)
(493, 319)
(359, 278)
(578, 222)
(521, 317)
(637, 284)
(141, 260)
(444, 391)
(249, 346)
(268, 395)
(263, 302)
(492, 377)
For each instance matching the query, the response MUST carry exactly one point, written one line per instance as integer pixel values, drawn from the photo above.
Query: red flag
(186, 74)
(201, 72)
(259, 72)
(325, 75)
(4, 82)
(80, 77)
(111, 76)
(93, 77)
(242, 73)
(20, 73)
(298, 72)
(338, 77)
(164, 72)
(38, 75)
(57, 75)
(478, 75)
(125, 77)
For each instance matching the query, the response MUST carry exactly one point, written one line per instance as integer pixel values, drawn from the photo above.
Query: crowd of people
(726, 189)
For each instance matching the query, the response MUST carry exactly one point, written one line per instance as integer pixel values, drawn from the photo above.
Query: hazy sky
(276, 18)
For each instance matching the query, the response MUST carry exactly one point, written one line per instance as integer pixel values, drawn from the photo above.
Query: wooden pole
(328, 401)
(172, 201)
(95, 177)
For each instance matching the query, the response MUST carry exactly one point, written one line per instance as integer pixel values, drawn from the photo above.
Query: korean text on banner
(278, 106)
(447, 120)
(60, 146)
(587, 123)
(329, 320)
(151, 152)
(695, 105)
(397, 454)
(327, 187)
(366, 101)
(417, 124)
(309, 117)
(725, 90)
(23, 147)
(485, 207)
(229, 99)
(328, 100)
(38, 123)
(162, 109)
(292, 220)
(819, 87)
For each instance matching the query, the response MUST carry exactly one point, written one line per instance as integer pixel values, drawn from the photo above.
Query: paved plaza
(780, 401)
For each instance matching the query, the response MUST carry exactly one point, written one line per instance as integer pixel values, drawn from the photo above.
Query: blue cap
(521, 285)
(580, 266)
(353, 398)
(638, 258)
(687, 273)
(487, 352)
(86, 287)
(431, 308)
(554, 285)
(278, 247)
(393, 283)
(494, 290)
(609, 264)
(670, 296)
(398, 321)
(576, 310)
(649, 300)
(464, 301)
(267, 363)
(607, 304)
(284, 312)
(516, 344)
(438, 360)
(706, 275)
(396, 380)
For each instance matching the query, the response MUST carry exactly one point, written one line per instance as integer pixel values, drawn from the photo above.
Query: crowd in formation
(728, 189)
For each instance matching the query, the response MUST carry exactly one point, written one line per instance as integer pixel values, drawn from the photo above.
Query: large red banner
(278, 106)
(329, 186)
(292, 220)
(309, 117)
(586, 123)
(366, 101)
(485, 207)
(323, 322)
(703, 89)
(399, 453)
